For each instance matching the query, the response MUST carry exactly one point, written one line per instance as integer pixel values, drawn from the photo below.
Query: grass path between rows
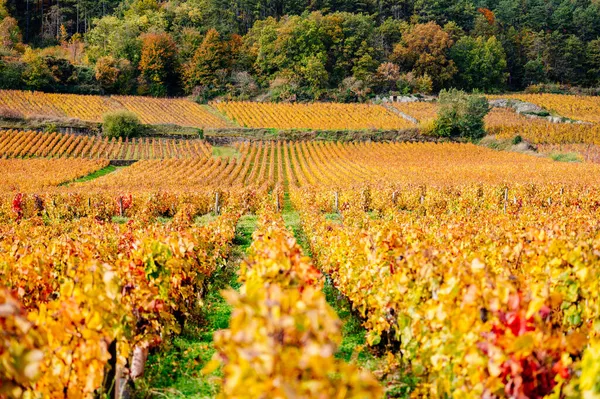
(176, 370)
(354, 344)
(354, 335)
(94, 175)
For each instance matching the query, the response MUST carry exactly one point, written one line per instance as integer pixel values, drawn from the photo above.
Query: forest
(298, 50)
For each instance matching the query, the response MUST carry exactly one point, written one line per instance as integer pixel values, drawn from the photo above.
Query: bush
(10, 75)
(122, 124)
(461, 115)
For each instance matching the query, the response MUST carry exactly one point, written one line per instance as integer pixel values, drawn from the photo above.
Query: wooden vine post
(217, 209)
(120, 206)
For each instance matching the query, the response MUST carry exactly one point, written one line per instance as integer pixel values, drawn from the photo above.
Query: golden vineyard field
(316, 116)
(330, 116)
(92, 108)
(360, 269)
(583, 108)
(473, 272)
(19, 144)
(505, 123)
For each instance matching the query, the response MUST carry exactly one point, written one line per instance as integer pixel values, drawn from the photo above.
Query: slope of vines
(31, 144)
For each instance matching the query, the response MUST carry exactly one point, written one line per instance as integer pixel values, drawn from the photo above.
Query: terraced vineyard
(479, 262)
(435, 270)
(584, 108)
(326, 116)
(182, 112)
(19, 144)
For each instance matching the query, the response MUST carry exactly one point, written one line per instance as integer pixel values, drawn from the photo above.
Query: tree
(37, 74)
(587, 21)
(424, 50)
(515, 48)
(365, 65)
(115, 37)
(158, 64)
(3, 10)
(114, 76)
(461, 115)
(481, 64)
(10, 34)
(208, 60)
(534, 72)
(443, 11)
(593, 62)
(485, 24)
(313, 72)
(387, 77)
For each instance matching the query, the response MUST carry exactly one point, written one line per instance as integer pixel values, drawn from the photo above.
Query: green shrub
(517, 139)
(565, 157)
(461, 115)
(50, 128)
(122, 124)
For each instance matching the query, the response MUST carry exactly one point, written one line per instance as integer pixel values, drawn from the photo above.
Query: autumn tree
(387, 77)
(158, 64)
(208, 65)
(114, 75)
(10, 34)
(424, 50)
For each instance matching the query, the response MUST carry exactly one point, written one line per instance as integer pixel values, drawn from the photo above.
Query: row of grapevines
(92, 294)
(543, 132)
(473, 297)
(19, 144)
(283, 334)
(264, 165)
(421, 111)
(42, 174)
(37, 104)
(181, 112)
(178, 111)
(104, 205)
(336, 165)
(325, 116)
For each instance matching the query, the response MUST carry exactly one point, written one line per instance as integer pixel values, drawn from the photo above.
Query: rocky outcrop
(530, 110)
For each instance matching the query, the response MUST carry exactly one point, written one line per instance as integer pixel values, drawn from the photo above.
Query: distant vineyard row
(264, 165)
(315, 116)
(152, 111)
(18, 144)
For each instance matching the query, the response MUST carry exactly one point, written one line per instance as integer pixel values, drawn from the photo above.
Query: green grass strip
(92, 176)
(175, 371)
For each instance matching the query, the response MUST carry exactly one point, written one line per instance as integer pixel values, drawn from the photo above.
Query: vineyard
(30, 144)
(583, 108)
(276, 269)
(24, 104)
(182, 112)
(312, 116)
(475, 275)
(504, 122)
